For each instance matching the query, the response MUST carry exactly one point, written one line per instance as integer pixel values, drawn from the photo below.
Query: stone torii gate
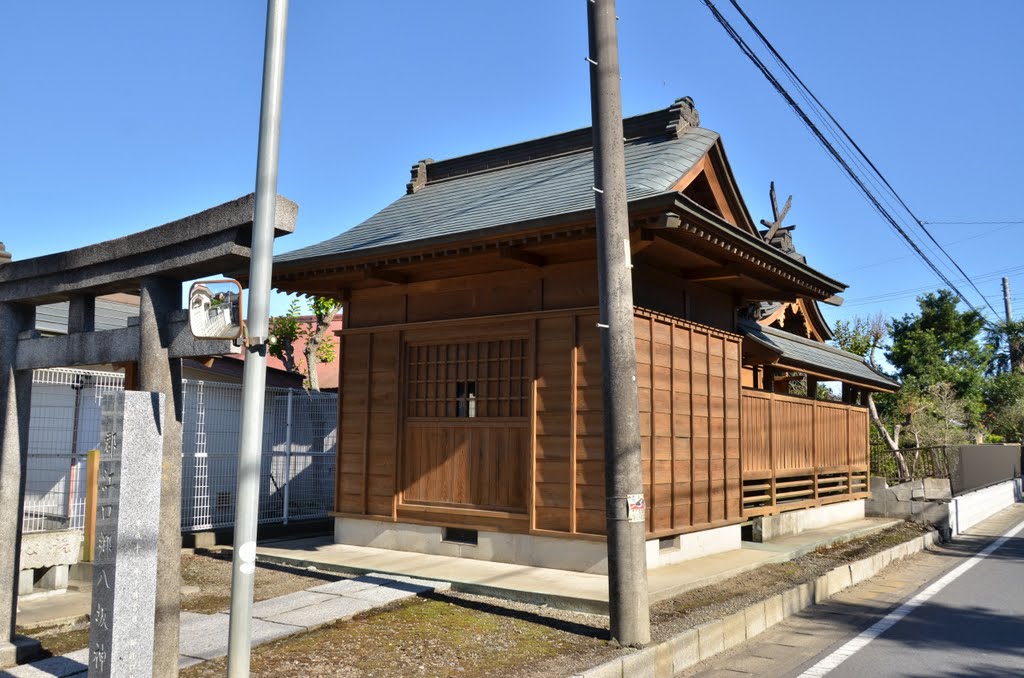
(153, 263)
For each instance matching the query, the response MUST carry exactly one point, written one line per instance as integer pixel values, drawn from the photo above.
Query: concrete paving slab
(206, 636)
(382, 595)
(342, 587)
(292, 601)
(69, 607)
(539, 585)
(758, 666)
(340, 607)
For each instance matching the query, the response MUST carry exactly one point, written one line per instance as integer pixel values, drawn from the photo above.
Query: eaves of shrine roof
(815, 357)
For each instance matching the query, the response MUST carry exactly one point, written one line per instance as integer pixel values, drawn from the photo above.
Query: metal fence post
(287, 454)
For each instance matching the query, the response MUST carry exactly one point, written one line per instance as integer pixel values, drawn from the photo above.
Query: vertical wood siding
(712, 452)
(688, 379)
(799, 452)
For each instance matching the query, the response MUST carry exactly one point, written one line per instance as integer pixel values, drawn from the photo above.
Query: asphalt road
(974, 626)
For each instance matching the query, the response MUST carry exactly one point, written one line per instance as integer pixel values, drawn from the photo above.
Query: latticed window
(469, 379)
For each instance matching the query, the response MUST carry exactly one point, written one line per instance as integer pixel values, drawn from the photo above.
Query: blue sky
(123, 115)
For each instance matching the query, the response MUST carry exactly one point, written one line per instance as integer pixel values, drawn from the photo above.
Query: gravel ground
(452, 634)
(210, 572)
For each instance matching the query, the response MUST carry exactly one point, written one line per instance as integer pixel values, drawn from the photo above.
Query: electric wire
(844, 163)
(920, 223)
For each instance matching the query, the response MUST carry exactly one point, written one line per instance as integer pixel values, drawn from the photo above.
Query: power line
(872, 199)
(820, 138)
(875, 170)
(901, 294)
(975, 223)
(952, 242)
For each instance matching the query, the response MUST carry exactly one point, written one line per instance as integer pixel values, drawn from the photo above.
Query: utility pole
(1006, 300)
(254, 374)
(625, 508)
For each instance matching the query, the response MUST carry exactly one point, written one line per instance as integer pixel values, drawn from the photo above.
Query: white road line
(826, 665)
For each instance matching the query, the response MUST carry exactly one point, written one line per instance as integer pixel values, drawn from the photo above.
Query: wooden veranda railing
(798, 452)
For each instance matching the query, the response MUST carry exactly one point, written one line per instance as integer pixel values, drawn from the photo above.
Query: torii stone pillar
(154, 263)
(15, 407)
(158, 372)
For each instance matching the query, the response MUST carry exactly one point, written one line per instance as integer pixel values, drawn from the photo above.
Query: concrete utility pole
(254, 375)
(1006, 300)
(625, 508)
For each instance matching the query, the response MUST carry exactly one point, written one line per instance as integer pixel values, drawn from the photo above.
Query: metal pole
(254, 375)
(287, 455)
(1006, 300)
(627, 562)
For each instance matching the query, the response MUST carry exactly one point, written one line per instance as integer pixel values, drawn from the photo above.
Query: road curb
(692, 646)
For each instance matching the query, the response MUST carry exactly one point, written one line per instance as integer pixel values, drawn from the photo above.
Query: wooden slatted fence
(799, 452)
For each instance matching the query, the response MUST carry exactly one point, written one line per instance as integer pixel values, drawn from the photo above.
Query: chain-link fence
(297, 472)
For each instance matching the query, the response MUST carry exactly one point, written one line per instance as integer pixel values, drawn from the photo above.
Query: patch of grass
(53, 643)
(417, 638)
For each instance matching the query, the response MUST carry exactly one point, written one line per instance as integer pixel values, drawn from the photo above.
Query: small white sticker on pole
(636, 508)
(247, 554)
(629, 253)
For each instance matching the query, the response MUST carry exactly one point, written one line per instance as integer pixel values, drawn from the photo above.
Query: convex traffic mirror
(215, 309)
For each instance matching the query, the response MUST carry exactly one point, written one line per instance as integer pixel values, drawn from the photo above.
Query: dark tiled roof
(467, 198)
(799, 352)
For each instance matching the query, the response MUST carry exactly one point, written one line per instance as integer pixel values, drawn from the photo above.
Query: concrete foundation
(767, 528)
(577, 555)
(672, 550)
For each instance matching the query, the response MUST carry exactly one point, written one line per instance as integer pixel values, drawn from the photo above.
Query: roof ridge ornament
(419, 176)
(683, 115)
(778, 235)
(5, 256)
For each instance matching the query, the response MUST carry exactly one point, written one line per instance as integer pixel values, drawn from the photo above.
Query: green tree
(318, 350)
(940, 345)
(1006, 341)
(864, 336)
(1004, 402)
(286, 329)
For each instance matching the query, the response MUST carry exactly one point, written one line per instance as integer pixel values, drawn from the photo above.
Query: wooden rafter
(726, 272)
(523, 257)
(389, 277)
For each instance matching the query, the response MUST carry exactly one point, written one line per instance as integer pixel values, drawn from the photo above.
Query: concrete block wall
(930, 501)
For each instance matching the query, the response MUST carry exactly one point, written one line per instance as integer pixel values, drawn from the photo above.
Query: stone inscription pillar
(127, 532)
(160, 374)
